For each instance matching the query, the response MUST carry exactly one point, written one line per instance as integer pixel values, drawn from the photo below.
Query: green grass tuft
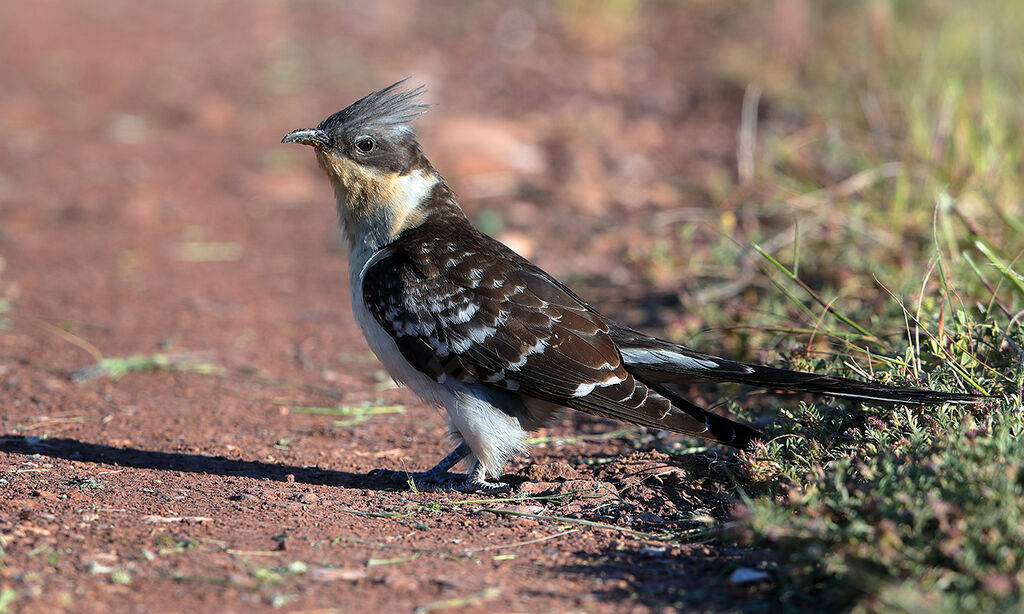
(116, 368)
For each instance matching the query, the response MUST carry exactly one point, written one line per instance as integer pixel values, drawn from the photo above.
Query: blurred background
(142, 156)
(636, 148)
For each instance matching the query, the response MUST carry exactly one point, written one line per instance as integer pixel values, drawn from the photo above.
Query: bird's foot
(480, 484)
(440, 478)
(445, 481)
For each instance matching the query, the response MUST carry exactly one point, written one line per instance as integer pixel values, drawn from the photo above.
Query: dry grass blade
(527, 542)
(587, 523)
(460, 602)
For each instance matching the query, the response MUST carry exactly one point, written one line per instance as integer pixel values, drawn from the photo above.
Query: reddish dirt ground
(146, 207)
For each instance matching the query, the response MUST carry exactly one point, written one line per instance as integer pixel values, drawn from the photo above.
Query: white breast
(380, 342)
(492, 434)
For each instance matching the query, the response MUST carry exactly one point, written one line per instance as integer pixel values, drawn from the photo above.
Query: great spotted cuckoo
(473, 327)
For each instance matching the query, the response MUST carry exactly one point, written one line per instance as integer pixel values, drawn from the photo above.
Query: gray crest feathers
(392, 108)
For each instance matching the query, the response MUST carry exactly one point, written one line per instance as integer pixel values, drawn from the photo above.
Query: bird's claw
(441, 481)
(475, 483)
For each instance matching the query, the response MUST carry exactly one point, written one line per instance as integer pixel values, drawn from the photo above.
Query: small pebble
(746, 575)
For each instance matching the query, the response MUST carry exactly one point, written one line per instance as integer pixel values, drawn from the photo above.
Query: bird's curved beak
(307, 136)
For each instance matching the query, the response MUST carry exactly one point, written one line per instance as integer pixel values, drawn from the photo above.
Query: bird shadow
(72, 449)
(691, 579)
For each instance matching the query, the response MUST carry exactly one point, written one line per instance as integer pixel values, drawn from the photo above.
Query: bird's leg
(438, 475)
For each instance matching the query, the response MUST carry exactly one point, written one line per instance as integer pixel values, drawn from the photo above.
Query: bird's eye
(365, 144)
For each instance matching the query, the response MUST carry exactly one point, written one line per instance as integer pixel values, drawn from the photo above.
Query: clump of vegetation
(86, 483)
(913, 509)
(898, 141)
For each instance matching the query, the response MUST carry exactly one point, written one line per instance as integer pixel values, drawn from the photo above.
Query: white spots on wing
(539, 346)
(478, 277)
(447, 306)
(649, 357)
(611, 381)
(495, 377)
(463, 315)
(583, 390)
(481, 334)
(459, 346)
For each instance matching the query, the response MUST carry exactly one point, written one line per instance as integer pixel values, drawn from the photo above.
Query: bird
(473, 327)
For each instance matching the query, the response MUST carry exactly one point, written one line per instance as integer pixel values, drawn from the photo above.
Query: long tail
(719, 428)
(661, 362)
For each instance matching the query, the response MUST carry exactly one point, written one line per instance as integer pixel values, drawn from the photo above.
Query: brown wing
(463, 307)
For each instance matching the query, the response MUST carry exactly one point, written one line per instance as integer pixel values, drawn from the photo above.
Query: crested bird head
(382, 181)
